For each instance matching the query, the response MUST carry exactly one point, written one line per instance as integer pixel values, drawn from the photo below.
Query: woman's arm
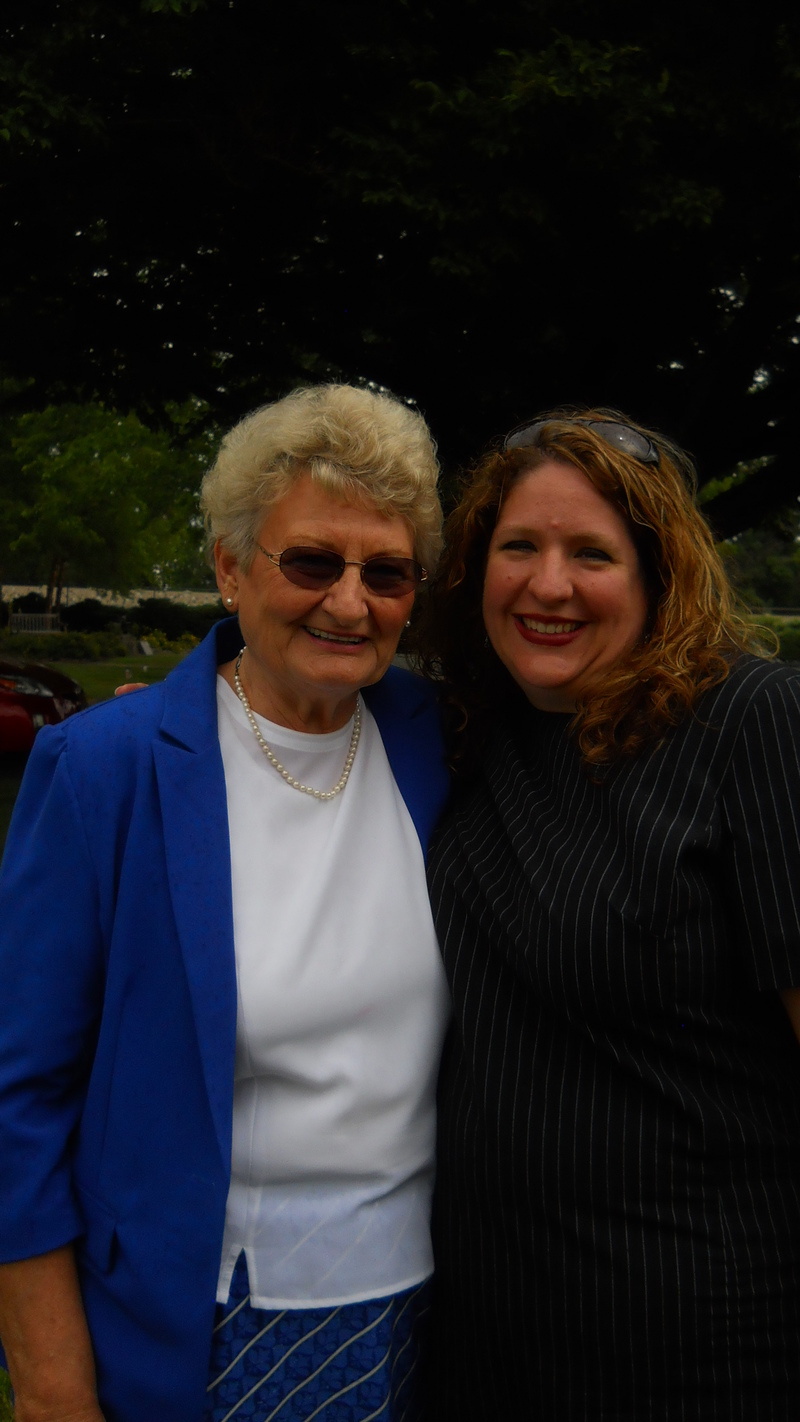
(46, 1340)
(791, 1001)
(50, 968)
(759, 811)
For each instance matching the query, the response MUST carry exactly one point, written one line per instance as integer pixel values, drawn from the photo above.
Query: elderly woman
(222, 1000)
(617, 894)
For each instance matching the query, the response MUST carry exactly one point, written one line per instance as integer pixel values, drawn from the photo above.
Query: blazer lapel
(407, 714)
(191, 785)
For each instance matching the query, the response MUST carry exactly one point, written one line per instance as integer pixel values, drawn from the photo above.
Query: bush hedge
(152, 614)
(790, 643)
(788, 634)
(94, 630)
(62, 646)
(173, 619)
(91, 615)
(157, 641)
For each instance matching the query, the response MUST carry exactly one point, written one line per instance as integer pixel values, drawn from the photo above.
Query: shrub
(63, 646)
(158, 614)
(158, 640)
(788, 634)
(91, 615)
(31, 602)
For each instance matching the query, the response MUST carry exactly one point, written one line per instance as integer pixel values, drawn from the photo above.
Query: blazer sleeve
(51, 989)
(761, 814)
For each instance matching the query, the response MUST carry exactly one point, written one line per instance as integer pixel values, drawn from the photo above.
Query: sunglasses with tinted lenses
(618, 436)
(318, 569)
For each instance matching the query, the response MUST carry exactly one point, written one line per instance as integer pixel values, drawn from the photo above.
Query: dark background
(487, 208)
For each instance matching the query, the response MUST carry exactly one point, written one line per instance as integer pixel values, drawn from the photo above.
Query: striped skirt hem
(359, 1362)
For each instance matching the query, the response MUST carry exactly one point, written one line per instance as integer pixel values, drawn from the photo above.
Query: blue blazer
(118, 1012)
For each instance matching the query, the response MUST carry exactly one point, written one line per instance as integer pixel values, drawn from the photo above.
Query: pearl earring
(229, 601)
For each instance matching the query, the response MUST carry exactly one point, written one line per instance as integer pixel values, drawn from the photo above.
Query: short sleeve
(761, 815)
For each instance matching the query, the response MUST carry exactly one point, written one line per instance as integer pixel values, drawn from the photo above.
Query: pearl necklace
(273, 759)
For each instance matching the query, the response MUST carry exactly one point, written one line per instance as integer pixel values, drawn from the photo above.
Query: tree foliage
(95, 497)
(489, 209)
(764, 562)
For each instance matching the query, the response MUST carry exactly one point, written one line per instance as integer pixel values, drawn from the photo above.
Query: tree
(764, 562)
(103, 500)
(486, 208)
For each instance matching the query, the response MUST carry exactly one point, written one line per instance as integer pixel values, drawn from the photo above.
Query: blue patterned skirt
(355, 1363)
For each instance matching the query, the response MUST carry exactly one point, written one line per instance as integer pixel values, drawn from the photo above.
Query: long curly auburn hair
(694, 630)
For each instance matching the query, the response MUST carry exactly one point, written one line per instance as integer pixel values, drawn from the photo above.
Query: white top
(342, 1012)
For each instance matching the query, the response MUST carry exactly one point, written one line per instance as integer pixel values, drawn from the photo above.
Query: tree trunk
(60, 571)
(51, 580)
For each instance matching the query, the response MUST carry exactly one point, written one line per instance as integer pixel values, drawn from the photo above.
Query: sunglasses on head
(617, 435)
(319, 568)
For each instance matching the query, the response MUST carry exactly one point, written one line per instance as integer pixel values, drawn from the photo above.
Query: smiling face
(564, 597)
(308, 652)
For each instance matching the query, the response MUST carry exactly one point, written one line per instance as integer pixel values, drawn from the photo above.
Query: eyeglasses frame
(346, 563)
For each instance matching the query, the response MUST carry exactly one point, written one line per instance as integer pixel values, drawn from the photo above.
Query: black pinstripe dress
(618, 1204)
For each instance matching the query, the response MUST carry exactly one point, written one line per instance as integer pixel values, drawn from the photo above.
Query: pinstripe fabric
(618, 1208)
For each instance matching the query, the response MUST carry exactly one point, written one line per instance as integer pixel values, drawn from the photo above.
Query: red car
(32, 696)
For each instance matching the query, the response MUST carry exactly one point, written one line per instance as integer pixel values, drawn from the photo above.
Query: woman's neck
(315, 714)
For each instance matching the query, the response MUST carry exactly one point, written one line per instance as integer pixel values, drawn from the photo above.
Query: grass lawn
(98, 680)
